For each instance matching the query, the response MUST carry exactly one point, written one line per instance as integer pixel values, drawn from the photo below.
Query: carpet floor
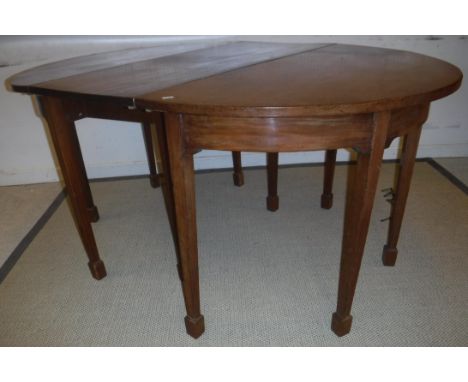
(20, 208)
(266, 279)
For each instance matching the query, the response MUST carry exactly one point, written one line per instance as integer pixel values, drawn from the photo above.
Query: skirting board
(217, 160)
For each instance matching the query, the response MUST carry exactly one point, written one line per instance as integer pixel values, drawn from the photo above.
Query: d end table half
(246, 96)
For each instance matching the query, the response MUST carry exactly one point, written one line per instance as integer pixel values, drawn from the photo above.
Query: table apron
(406, 119)
(294, 134)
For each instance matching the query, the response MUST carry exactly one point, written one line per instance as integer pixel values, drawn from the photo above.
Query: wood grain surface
(250, 79)
(247, 97)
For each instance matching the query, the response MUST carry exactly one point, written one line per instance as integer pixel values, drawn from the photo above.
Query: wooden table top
(250, 78)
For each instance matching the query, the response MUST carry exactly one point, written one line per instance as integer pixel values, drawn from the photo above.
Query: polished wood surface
(360, 198)
(26, 80)
(148, 70)
(248, 97)
(398, 201)
(183, 189)
(58, 113)
(150, 154)
(272, 180)
(272, 200)
(167, 184)
(277, 134)
(326, 201)
(238, 174)
(264, 79)
(329, 80)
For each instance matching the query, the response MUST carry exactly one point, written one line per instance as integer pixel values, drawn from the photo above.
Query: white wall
(112, 148)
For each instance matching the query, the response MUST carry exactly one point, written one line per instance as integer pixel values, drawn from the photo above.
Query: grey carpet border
(41, 222)
(29, 237)
(452, 178)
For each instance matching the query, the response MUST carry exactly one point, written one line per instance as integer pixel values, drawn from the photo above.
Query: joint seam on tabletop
(243, 67)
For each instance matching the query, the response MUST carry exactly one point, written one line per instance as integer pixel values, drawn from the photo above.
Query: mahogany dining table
(253, 97)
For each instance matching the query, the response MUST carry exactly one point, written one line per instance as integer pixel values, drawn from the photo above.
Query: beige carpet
(267, 279)
(457, 166)
(20, 207)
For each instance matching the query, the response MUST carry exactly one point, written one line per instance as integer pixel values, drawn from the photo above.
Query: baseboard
(218, 160)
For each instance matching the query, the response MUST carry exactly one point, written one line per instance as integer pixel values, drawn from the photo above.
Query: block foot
(389, 256)
(341, 326)
(238, 178)
(272, 203)
(327, 201)
(195, 327)
(93, 214)
(98, 270)
(154, 181)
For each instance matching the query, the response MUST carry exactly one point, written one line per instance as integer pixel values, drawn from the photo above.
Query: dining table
(246, 97)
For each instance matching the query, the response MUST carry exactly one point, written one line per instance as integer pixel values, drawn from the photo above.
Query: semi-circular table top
(249, 79)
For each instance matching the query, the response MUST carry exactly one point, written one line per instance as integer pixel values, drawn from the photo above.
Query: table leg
(93, 213)
(360, 198)
(62, 129)
(183, 187)
(166, 186)
(272, 200)
(329, 172)
(148, 138)
(237, 175)
(405, 172)
(91, 209)
(272, 174)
